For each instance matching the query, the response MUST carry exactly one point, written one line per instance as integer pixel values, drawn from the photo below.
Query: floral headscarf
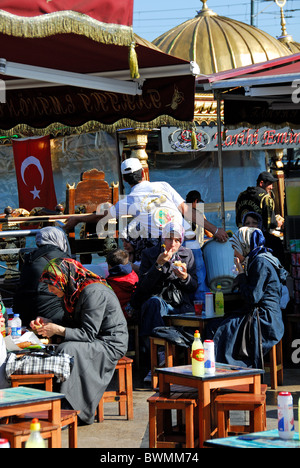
(70, 277)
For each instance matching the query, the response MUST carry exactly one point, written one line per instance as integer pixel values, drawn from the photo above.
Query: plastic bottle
(4, 443)
(286, 427)
(16, 327)
(197, 356)
(209, 357)
(2, 327)
(9, 322)
(219, 301)
(35, 439)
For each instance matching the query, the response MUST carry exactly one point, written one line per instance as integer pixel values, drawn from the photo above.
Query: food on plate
(24, 344)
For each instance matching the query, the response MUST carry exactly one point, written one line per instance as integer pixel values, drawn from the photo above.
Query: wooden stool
(239, 402)
(123, 395)
(133, 327)
(275, 365)
(68, 418)
(162, 433)
(33, 379)
(170, 351)
(19, 432)
(246, 389)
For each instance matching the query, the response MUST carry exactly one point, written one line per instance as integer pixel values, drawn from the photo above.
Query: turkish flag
(34, 173)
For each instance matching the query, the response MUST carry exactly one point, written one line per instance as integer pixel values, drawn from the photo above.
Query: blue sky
(153, 18)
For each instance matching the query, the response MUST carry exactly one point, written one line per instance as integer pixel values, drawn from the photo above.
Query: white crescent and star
(31, 160)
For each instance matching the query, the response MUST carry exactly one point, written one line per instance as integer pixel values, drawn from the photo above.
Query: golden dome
(218, 43)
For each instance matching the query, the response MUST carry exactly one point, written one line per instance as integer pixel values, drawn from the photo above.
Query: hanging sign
(243, 139)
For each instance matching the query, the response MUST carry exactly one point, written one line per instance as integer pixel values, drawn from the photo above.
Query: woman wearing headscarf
(252, 219)
(244, 337)
(32, 298)
(94, 332)
(167, 279)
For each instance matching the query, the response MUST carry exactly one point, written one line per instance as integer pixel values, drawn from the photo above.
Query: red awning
(115, 11)
(259, 95)
(78, 41)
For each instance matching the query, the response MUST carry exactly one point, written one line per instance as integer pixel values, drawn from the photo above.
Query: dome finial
(285, 37)
(205, 10)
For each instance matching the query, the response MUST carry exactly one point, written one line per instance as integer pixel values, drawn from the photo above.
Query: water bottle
(16, 327)
(197, 356)
(219, 301)
(286, 427)
(9, 322)
(4, 443)
(35, 439)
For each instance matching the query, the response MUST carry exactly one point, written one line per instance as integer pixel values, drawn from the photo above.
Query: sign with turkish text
(242, 139)
(32, 158)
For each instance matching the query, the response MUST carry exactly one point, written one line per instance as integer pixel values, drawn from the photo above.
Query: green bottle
(219, 301)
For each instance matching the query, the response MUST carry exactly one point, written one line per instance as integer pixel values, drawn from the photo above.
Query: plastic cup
(198, 306)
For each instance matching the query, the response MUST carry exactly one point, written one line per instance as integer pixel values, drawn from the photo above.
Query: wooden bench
(68, 418)
(240, 402)
(275, 365)
(18, 433)
(171, 352)
(124, 395)
(33, 379)
(162, 432)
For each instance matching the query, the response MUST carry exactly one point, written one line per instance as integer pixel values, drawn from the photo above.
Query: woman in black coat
(167, 280)
(32, 298)
(93, 330)
(244, 337)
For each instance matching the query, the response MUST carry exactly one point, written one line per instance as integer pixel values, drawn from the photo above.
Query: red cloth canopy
(79, 36)
(107, 11)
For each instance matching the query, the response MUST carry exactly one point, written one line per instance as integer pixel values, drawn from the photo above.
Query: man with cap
(259, 199)
(151, 204)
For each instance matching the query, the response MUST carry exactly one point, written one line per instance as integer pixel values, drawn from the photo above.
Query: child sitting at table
(122, 278)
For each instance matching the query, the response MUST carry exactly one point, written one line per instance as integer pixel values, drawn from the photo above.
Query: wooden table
(225, 376)
(266, 439)
(189, 320)
(20, 400)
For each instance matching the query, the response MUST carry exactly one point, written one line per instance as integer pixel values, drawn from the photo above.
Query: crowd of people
(153, 275)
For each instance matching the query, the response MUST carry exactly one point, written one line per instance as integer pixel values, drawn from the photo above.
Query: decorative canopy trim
(65, 22)
(59, 129)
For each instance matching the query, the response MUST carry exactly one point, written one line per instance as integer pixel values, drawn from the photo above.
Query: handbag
(172, 295)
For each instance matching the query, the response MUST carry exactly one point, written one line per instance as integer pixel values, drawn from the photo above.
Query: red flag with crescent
(34, 173)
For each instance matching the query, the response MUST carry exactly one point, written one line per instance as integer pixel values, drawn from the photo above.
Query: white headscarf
(53, 236)
(173, 228)
(241, 240)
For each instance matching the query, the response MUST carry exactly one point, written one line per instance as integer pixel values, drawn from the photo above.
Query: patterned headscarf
(71, 277)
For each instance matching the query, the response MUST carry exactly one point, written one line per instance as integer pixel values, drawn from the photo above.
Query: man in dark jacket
(167, 279)
(260, 200)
